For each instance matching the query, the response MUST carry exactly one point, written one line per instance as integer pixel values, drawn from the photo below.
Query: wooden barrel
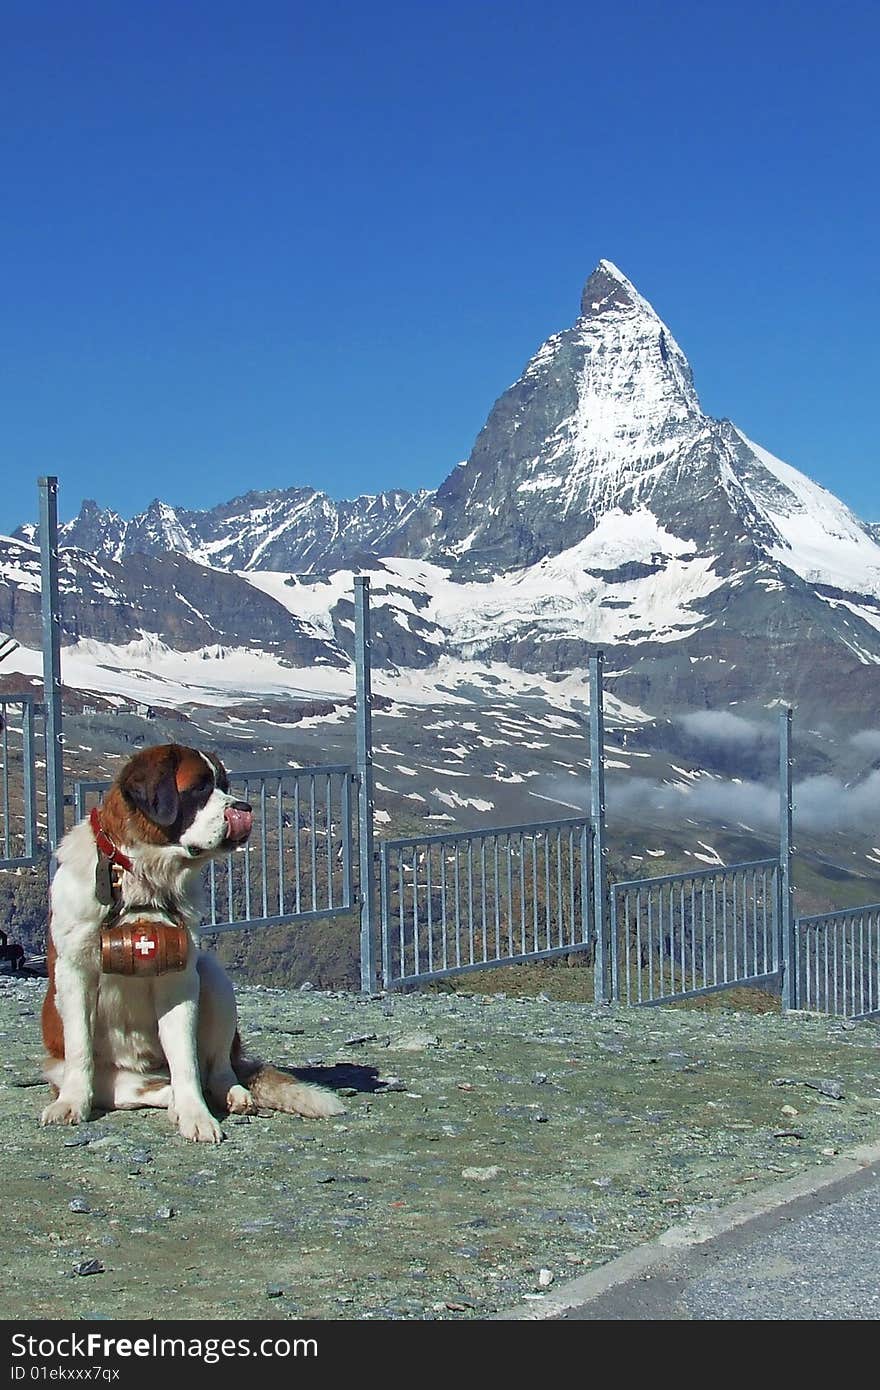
(144, 945)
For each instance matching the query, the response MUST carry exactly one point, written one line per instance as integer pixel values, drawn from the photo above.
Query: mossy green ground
(534, 1134)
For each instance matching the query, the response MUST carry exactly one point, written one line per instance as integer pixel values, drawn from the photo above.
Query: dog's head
(176, 796)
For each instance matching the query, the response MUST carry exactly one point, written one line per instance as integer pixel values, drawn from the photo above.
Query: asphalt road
(808, 1250)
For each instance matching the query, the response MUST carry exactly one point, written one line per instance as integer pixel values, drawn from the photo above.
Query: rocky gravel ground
(492, 1147)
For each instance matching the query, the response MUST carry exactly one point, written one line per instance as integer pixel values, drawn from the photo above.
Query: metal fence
(18, 781)
(838, 962)
(459, 902)
(298, 864)
(694, 933)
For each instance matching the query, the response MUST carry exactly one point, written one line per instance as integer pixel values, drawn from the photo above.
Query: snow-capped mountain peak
(608, 288)
(599, 506)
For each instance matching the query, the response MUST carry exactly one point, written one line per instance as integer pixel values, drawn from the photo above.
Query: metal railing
(838, 962)
(18, 782)
(459, 902)
(693, 933)
(298, 864)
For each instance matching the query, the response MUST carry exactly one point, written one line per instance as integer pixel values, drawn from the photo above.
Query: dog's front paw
(198, 1125)
(66, 1111)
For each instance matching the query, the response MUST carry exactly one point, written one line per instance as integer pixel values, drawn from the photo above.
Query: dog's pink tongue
(240, 823)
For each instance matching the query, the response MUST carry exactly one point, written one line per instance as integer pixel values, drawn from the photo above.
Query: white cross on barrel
(145, 945)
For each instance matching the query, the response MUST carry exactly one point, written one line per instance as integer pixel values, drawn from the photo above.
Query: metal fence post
(364, 722)
(597, 813)
(787, 939)
(51, 617)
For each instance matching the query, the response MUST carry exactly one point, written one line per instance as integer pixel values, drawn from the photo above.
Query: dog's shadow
(342, 1075)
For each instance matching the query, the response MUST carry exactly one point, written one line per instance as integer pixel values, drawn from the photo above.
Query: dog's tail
(274, 1089)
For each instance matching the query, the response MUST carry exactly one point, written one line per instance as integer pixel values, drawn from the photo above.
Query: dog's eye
(200, 793)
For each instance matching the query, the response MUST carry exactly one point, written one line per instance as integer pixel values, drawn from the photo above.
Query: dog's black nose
(241, 806)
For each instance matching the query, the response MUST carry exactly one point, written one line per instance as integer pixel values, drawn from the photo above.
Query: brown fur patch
(53, 1028)
(191, 768)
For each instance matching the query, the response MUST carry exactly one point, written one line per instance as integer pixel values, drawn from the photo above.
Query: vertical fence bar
(296, 847)
(442, 868)
(401, 908)
(51, 619)
(560, 909)
(509, 896)
(648, 901)
(415, 893)
(346, 840)
(7, 819)
(386, 929)
(364, 725)
(264, 885)
(660, 937)
(522, 893)
(497, 898)
(279, 810)
(586, 852)
(613, 923)
(29, 751)
(470, 899)
(787, 943)
(328, 838)
(246, 856)
(429, 890)
(313, 835)
(456, 884)
(597, 813)
(682, 934)
(703, 917)
(533, 839)
(483, 895)
(571, 886)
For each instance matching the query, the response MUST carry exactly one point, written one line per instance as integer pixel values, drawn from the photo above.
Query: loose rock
(414, 1042)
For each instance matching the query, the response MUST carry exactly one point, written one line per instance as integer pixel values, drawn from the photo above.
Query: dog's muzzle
(239, 822)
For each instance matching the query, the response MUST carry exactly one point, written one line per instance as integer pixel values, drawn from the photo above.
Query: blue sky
(281, 244)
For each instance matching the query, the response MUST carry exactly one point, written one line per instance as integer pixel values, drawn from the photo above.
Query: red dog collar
(105, 844)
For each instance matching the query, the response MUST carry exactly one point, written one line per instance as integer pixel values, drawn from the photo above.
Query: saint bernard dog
(117, 1041)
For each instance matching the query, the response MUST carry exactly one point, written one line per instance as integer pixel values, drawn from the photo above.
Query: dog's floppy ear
(150, 783)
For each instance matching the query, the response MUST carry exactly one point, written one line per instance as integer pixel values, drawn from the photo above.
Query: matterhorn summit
(598, 414)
